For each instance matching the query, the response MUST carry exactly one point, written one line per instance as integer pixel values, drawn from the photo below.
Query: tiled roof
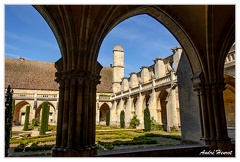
(30, 74)
(106, 80)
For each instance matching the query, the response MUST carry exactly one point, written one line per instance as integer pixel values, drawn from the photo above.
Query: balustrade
(31, 96)
(23, 95)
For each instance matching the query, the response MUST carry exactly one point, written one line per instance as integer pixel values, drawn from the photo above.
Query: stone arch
(103, 109)
(145, 101)
(163, 104)
(79, 55)
(134, 102)
(229, 100)
(172, 25)
(17, 120)
(52, 113)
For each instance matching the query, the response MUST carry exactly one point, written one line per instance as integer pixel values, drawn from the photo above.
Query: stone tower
(118, 67)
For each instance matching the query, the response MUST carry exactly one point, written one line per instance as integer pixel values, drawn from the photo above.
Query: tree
(44, 119)
(122, 119)
(9, 103)
(25, 127)
(107, 117)
(147, 120)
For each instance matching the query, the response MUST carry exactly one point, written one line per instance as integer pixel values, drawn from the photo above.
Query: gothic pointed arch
(163, 104)
(103, 110)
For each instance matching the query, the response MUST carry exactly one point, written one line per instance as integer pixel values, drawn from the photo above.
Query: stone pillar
(139, 111)
(76, 114)
(212, 115)
(119, 109)
(113, 113)
(128, 114)
(97, 113)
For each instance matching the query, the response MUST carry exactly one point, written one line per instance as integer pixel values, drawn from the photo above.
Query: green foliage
(25, 128)
(100, 148)
(44, 119)
(106, 145)
(33, 147)
(107, 117)
(36, 139)
(176, 137)
(140, 140)
(19, 148)
(147, 121)
(35, 121)
(52, 128)
(134, 122)
(122, 119)
(9, 104)
(155, 125)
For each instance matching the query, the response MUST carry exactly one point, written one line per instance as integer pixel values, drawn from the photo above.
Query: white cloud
(8, 46)
(16, 56)
(31, 40)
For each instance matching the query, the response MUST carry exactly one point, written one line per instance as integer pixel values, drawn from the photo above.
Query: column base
(70, 152)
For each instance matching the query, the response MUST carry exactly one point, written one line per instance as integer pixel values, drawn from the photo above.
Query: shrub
(155, 125)
(134, 122)
(44, 119)
(52, 128)
(35, 147)
(147, 121)
(136, 141)
(122, 119)
(19, 148)
(35, 121)
(107, 117)
(106, 145)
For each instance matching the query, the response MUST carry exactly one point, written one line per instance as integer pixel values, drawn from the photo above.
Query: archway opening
(103, 110)
(229, 92)
(163, 96)
(19, 113)
(52, 114)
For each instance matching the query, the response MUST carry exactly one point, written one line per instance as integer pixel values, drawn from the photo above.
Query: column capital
(76, 75)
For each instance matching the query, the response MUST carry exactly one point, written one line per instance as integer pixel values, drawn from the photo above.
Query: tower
(118, 68)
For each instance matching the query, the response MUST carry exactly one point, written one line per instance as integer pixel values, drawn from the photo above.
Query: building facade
(155, 87)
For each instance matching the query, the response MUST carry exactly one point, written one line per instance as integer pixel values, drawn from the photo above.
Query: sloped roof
(106, 80)
(30, 74)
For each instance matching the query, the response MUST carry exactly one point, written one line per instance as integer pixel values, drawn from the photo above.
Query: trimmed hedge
(25, 128)
(122, 119)
(33, 147)
(147, 120)
(44, 119)
(107, 117)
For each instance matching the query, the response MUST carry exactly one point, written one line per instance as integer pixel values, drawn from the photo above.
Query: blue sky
(142, 38)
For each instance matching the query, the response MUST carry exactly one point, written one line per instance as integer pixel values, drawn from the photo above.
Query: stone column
(139, 111)
(76, 114)
(113, 111)
(128, 114)
(212, 115)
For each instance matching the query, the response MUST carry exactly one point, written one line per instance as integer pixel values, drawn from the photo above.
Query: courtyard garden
(107, 138)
